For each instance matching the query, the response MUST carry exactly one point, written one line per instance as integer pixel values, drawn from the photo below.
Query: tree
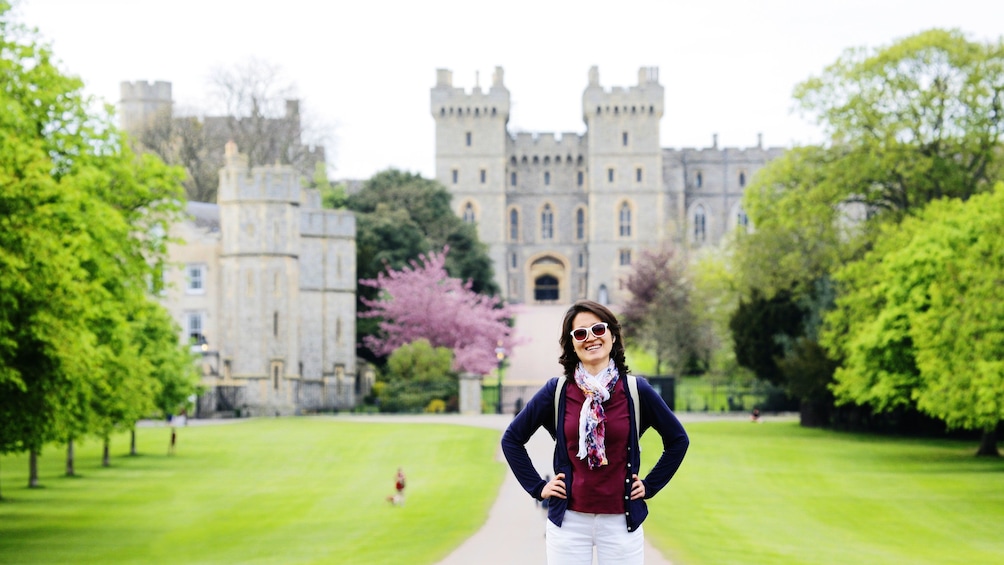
(920, 317)
(260, 114)
(399, 216)
(417, 374)
(80, 216)
(908, 123)
(422, 301)
(660, 314)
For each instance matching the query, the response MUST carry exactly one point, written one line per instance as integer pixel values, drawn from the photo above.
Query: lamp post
(500, 355)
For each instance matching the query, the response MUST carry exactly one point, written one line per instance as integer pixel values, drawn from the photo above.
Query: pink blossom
(423, 301)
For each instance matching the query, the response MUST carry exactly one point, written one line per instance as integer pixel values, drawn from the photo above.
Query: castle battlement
(531, 141)
(645, 99)
(277, 183)
(142, 90)
(328, 223)
(449, 101)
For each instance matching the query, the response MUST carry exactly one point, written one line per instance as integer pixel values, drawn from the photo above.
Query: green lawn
(311, 490)
(293, 490)
(780, 494)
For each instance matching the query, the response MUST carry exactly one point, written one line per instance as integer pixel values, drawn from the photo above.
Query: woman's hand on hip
(637, 488)
(555, 487)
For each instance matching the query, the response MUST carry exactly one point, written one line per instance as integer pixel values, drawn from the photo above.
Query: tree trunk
(69, 458)
(132, 441)
(105, 460)
(33, 469)
(988, 444)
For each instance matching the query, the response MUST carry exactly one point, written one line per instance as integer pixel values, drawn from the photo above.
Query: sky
(363, 68)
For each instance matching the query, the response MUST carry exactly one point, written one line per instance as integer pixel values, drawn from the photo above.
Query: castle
(263, 285)
(564, 216)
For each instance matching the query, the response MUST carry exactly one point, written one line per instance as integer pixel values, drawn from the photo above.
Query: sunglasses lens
(579, 335)
(598, 330)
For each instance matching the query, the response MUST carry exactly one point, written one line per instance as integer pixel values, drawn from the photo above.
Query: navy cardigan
(540, 412)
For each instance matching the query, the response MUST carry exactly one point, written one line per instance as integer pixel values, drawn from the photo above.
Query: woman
(595, 497)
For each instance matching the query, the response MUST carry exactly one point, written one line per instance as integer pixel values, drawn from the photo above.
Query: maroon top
(601, 490)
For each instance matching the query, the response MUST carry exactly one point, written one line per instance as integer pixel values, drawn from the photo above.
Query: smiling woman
(595, 497)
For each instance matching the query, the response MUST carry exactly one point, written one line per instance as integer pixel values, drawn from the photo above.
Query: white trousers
(572, 543)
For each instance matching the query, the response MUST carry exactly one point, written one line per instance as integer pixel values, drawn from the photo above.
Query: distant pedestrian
(596, 412)
(755, 416)
(174, 441)
(397, 499)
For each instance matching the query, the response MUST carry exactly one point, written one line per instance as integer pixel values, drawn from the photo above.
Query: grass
(781, 494)
(311, 490)
(300, 490)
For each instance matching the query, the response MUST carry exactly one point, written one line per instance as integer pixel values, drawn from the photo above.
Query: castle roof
(204, 214)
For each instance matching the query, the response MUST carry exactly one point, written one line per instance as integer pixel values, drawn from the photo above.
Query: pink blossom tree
(423, 301)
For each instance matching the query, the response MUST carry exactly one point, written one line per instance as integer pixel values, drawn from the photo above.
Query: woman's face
(594, 352)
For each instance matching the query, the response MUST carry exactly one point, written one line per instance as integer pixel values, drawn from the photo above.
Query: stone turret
(141, 102)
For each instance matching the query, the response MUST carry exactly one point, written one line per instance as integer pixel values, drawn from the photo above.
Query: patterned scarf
(592, 420)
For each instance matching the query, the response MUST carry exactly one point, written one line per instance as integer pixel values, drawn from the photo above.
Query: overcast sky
(364, 68)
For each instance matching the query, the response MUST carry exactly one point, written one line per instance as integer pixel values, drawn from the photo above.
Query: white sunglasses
(597, 330)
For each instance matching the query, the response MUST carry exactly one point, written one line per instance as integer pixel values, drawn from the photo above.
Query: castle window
(637, 174)
(699, 179)
(195, 326)
(610, 174)
(547, 177)
(512, 161)
(742, 220)
(557, 159)
(493, 111)
(196, 283)
(547, 159)
(547, 222)
(742, 179)
(582, 260)
(651, 109)
(624, 220)
(579, 161)
(617, 110)
(442, 111)
(624, 139)
(468, 139)
(512, 179)
(579, 178)
(484, 176)
(275, 376)
(632, 109)
(625, 258)
(536, 160)
(456, 175)
(700, 224)
(599, 110)
(524, 159)
(580, 224)
(512, 261)
(275, 324)
(513, 225)
(469, 213)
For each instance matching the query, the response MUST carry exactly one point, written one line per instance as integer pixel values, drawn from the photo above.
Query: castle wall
(629, 192)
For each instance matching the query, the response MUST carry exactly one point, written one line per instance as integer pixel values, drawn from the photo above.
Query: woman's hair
(569, 360)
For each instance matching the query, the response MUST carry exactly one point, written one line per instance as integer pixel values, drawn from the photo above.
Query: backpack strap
(632, 382)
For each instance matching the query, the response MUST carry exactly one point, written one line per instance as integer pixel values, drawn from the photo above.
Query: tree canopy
(422, 301)
(81, 224)
(908, 124)
(920, 320)
(400, 216)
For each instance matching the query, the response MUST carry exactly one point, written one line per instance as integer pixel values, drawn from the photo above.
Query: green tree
(417, 374)
(80, 218)
(908, 123)
(399, 216)
(920, 318)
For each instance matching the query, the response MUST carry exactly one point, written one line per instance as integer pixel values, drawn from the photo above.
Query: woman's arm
(656, 414)
(538, 412)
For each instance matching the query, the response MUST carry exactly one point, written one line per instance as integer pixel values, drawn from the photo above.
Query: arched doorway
(547, 279)
(545, 289)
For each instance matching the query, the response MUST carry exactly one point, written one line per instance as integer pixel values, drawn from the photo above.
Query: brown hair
(569, 360)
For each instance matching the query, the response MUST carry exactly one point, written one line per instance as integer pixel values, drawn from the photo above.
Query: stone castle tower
(564, 216)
